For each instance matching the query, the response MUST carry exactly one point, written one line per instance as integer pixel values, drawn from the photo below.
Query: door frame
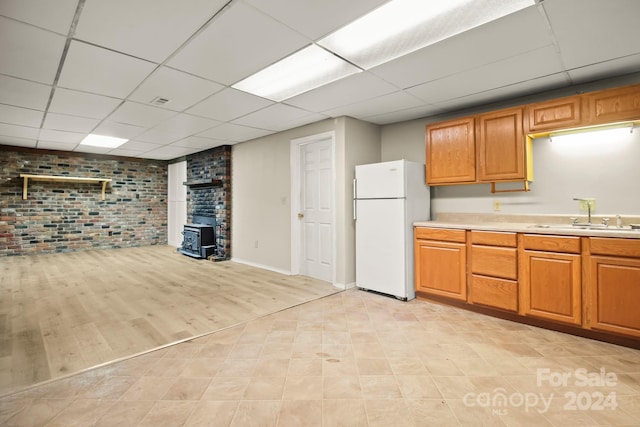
(296, 232)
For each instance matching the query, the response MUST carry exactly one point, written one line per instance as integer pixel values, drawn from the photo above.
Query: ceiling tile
(168, 152)
(133, 113)
(181, 89)
(511, 91)
(178, 127)
(148, 29)
(197, 142)
(92, 149)
(18, 142)
(404, 115)
(29, 52)
(355, 88)
(601, 70)
(18, 131)
(55, 16)
(514, 70)
(69, 123)
(228, 105)
(237, 43)
(124, 152)
(60, 136)
(23, 93)
(396, 101)
(496, 41)
(236, 133)
(139, 146)
(278, 117)
(119, 130)
(82, 104)
(20, 116)
(55, 145)
(591, 31)
(101, 71)
(315, 18)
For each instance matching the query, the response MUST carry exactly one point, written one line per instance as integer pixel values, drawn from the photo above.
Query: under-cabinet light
(400, 27)
(103, 141)
(302, 71)
(606, 132)
(592, 142)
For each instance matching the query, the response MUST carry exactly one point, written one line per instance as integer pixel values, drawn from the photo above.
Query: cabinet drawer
(443, 234)
(540, 242)
(493, 238)
(493, 292)
(620, 247)
(494, 261)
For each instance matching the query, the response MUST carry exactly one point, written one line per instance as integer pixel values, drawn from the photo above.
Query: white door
(176, 203)
(380, 246)
(316, 210)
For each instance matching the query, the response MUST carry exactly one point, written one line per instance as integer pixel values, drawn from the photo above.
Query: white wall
(261, 205)
(176, 203)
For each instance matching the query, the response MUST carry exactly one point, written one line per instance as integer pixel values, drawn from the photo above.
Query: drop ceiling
(69, 68)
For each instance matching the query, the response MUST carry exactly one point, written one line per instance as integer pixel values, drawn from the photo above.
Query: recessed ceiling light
(400, 27)
(302, 71)
(103, 141)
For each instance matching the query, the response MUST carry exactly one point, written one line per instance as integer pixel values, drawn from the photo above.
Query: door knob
(300, 215)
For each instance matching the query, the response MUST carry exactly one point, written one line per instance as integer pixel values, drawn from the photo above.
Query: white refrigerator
(388, 198)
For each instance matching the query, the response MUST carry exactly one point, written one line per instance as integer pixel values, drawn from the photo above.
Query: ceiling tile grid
(159, 72)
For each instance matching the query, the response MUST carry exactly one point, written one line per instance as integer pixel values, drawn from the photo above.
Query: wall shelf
(201, 183)
(27, 177)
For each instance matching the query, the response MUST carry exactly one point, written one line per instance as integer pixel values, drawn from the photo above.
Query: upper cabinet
(553, 115)
(613, 105)
(501, 146)
(451, 153)
(496, 147)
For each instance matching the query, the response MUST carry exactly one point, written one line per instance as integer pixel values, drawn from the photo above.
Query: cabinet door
(614, 293)
(554, 115)
(501, 146)
(451, 154)
(610, 106)
(550, 286)
(441, 268)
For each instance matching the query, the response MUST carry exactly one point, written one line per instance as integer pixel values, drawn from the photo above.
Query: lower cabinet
(592, 283)
(550, 286)
(440, 265)
(613, 287)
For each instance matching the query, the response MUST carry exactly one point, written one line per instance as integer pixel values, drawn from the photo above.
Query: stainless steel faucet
(588, 203)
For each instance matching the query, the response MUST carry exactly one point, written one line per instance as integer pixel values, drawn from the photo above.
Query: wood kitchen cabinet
(613, 287)
(613, 105)
(451, 154)
(440, 262)
(550, 278)
(501, 146)
(557, 114)
(493, 270)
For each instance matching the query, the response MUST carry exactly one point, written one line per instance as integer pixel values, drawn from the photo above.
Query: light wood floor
(63, 313)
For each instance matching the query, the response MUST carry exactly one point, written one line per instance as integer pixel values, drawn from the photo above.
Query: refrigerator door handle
(355, 211)
(355, 188)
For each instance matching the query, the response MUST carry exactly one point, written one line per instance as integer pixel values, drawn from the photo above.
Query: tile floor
(353, 359)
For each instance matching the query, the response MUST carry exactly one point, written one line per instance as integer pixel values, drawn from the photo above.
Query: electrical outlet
(255, 244)
(497, 205)
(583, 207)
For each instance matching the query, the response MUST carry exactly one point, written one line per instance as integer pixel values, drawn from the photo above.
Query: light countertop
(534, 224)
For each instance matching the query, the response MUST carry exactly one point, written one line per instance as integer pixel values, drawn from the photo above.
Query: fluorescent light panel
(306, 69)
(403, 26)
(103, 141)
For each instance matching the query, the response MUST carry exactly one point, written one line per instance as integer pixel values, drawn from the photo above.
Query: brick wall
(212, 201)
(67, 216)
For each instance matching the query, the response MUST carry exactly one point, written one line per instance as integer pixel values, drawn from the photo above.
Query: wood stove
(199, 237)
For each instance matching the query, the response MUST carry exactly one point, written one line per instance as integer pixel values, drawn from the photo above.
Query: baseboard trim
(263, 266)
